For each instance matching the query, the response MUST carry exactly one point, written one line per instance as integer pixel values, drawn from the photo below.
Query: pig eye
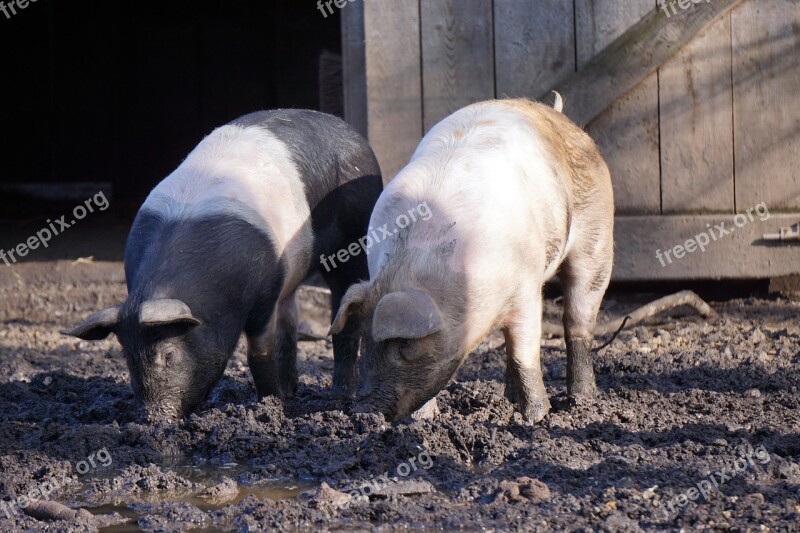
(408, 350)
(170, 355)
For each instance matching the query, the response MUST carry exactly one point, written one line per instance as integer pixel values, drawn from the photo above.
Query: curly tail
(558, 105)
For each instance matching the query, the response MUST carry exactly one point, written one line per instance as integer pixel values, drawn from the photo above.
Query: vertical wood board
(696, 110)
(534, 45)
(457, 56)
(627, 132)
(394, 81)
(766, 103)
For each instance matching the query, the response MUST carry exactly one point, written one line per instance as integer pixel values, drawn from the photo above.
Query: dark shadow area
(119, 92)
(702, 377)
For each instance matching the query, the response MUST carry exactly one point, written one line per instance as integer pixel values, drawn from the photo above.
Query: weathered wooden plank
(766, 77)
(354, 67)
(457, 56)
(696, 100)
(740, 254)
(627, 131)
(394, 81)
(534, 46)
(635, 54)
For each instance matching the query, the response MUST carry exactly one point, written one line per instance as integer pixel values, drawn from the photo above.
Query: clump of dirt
(696, 424)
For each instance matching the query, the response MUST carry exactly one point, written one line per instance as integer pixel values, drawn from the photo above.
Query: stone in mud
(326, 497)
(429, 411)
(617, 522)
(410, 486)
(51, 511)
(222, 492)
(522, 489)
(170, 516)
(757, 337)
(533, 489)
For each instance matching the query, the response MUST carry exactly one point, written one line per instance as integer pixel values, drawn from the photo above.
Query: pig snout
(363, 407)
(364, 396)
(372, 398)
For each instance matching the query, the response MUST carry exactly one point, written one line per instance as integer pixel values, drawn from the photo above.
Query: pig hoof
(345, 391)
(535, 410)
(289, 385)
(512, 393)
(582, 390)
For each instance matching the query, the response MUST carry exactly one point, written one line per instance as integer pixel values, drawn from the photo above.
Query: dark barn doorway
(117, 93)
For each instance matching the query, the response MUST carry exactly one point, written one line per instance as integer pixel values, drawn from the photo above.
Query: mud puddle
(202, 475)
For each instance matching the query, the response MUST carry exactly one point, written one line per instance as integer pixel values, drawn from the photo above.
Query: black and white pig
(518, 193)
(221, 246)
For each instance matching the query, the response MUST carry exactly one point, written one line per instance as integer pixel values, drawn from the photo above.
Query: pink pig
(518, 194)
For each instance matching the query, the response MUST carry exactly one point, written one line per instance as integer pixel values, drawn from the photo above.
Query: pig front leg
(345, 343)
(524, 381)
(345, 355)
(584, 281)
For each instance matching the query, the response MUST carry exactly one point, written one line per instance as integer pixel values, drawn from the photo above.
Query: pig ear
(406, 315)
(165, 313)
(98, 326)
(354, 297)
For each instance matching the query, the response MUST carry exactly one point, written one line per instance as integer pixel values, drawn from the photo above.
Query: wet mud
(696, 425)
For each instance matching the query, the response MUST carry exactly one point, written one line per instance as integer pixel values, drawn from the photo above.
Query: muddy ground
(682, 404)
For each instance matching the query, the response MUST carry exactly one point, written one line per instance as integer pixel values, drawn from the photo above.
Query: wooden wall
(716, 130)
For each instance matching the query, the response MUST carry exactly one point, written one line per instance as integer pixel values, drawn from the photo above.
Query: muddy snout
(363, 403)
(370, 400)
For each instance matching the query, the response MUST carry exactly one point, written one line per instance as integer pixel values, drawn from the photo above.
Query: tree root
(688, 298)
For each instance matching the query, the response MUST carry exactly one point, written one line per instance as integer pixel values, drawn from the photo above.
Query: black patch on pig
(222, 266)
(340, 172)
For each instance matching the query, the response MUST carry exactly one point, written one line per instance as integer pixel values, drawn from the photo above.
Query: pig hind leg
(524, 381)
(584, 278)
(272, 355)
(286, 343)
